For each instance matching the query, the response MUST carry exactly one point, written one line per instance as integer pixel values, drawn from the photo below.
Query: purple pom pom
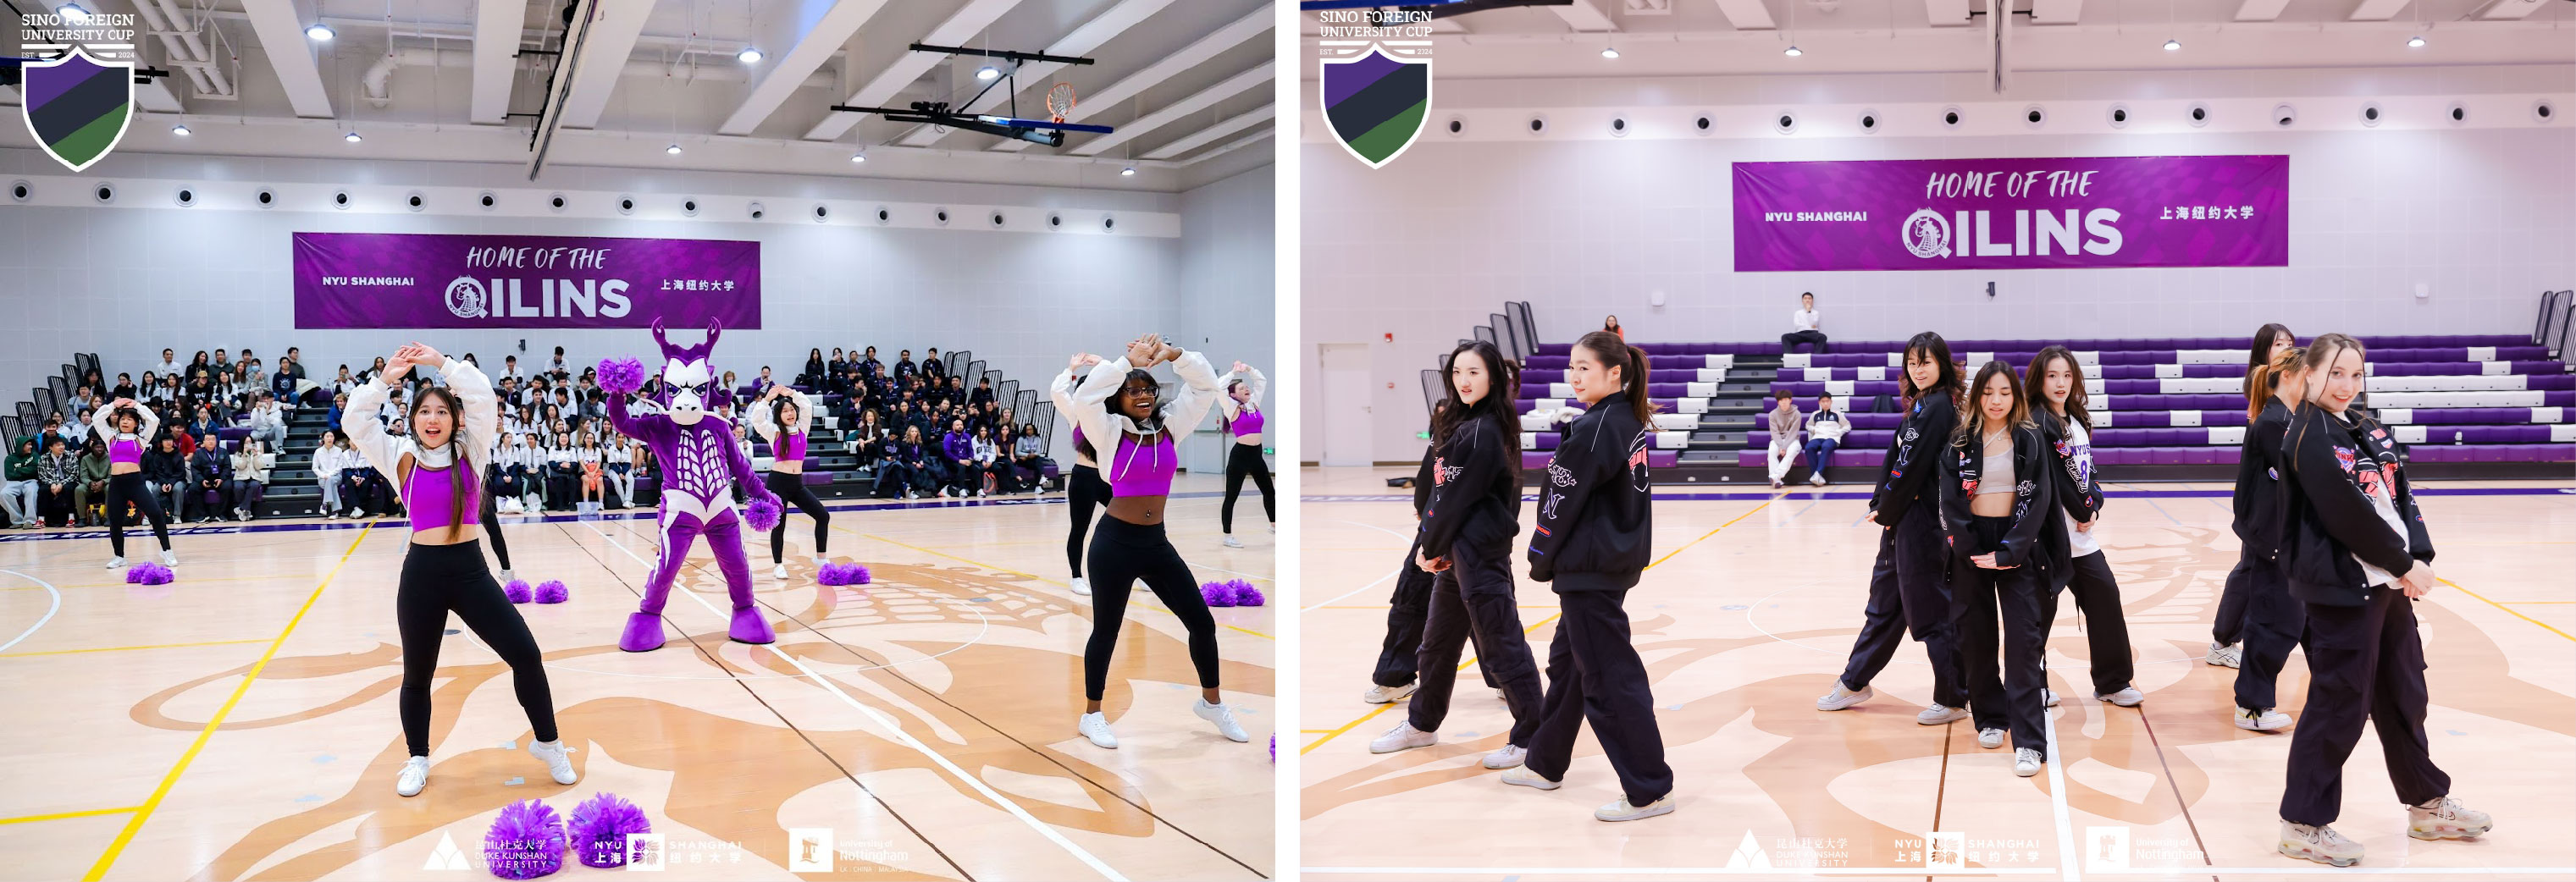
(621, 375)
(1217, 594)
(842, 574)
(525, 842)
(552, 591)
(148, 574)
(601, 824)
(859, 574)
(763, 514)
(517, 591)
(1245, 594)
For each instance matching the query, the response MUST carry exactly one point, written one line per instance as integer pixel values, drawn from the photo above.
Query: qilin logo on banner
(80, 97)
(1375, 81)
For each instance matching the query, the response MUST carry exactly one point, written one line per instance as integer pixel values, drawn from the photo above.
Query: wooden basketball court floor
(1748, 615)
(240, 723)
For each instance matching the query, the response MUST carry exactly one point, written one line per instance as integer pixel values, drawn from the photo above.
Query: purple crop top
(791, 446)
(428, 500)
(1249, 423)
(1142, 469)
(125, 450)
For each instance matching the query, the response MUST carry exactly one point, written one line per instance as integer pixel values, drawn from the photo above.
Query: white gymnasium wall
(1581, 224)
(128, 279)
(1228, 272)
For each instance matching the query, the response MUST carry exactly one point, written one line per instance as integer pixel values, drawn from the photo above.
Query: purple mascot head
(689, 387)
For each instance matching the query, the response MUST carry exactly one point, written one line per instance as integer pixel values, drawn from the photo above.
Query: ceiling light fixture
(1609, 52)
(180, 130)
(73, 13)
(2173, 45)
(748, 55)
(1792, 52)
(674, 150)
(859, 157)
(319, 32)
(2415, 42)
(987, 73)
(352, 138)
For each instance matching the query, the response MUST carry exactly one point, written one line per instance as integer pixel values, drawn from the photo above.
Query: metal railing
(2557, 320)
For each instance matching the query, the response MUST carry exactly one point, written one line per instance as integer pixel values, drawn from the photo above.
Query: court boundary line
(61, 816)
(49, 611)
(2508, 610)
(2056, 763)
(130, 648)
(143, 813)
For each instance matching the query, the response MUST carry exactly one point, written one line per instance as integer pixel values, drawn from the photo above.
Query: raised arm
(1252, 377)
(1088, 404)
(366, 433)
(482, 416)
(1199, 392)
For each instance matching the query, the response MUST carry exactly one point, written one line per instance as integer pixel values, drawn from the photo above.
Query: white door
(1346, 404)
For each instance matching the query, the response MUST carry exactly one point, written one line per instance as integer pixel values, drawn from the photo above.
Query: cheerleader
(1084, 492)
(2055, 383)
(2356, 551)
(128, 428)
(782, 416)
(2272, 619)
(2006, 548)
(1909, 587)
(1242, 418)
(1466, 538)
(2228, 630)
(1121, 404)
(439, 472)
(1591, 545)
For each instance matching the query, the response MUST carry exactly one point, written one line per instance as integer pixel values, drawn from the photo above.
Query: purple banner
(403, 280)
(1923, 214)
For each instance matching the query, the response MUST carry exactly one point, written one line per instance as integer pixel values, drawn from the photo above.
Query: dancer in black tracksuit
(2054, 385)
(1909, 587)
(1467, 532)
(2272, 619)
(2007, 548)
(2356, 552)
(1595, 521)
(2227, 631)
(1410, 607)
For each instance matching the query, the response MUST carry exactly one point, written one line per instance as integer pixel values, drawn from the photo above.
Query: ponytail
(2265, 379)
(1609, 348)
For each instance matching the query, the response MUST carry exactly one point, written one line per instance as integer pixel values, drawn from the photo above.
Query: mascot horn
(700, 467)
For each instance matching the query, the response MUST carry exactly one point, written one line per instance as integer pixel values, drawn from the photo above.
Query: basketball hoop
(1060, 100)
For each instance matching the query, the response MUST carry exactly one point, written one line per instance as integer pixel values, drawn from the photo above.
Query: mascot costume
(700, 467)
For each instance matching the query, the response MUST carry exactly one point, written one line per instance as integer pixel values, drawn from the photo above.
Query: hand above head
(1080, 359)
(1240, 367)
(1143, 351)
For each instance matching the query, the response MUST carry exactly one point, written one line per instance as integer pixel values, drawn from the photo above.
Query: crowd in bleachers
(918, 425)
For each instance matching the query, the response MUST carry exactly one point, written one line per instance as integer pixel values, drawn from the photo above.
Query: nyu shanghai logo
(1376, 79)
(1927, 234)
(77, 106)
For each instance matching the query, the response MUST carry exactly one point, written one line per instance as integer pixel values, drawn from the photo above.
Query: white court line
(1772, 872)
(2057, 796)
(1380, 580)
(901, 736)
(49, 611)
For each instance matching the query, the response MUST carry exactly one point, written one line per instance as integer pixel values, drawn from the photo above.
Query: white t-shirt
(2383, 501)
(2079, 447)
(1804, 319)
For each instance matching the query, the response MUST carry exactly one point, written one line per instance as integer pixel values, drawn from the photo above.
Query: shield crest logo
(78, 106)
(1375, 103)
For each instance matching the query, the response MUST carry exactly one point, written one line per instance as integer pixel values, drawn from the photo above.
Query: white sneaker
(1817, 479)
(1523, 777)
(2128, 696)
(1223, 717)
(2047, 697)
(2026, 762)
(1622, 811)
(1990, 738)
(2319, 843)
(1934, 715)
(778, 572)
(2230, 655)
(333, 516)
(1389, 694)
(558, 759)
(1096, 727)
(241, 514)
(2266, 720)
(356, 512)
(1231, 542)
(507, 577)
(169, 558)
(414, 776)
(1842, 698)
(1508, 757)
(115, 562)
(2446, 818)
(1081, 586)
(1403, 737)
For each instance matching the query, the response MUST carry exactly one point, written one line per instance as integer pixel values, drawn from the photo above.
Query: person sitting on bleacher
(251, 467)
(1785, 424)
(18, 483)
(268, 421)
(165, 472)
(57, 475)
(211, 487)
(904, 369)
(934, 371)
(95, 466)
(1825, 430)
(1028, 457)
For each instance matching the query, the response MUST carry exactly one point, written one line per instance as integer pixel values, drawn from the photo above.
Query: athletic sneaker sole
(1391, 697)
(2302, 853)
(2438, 835)
(1532, 781)
(1400, 749)
(1661, 807)
(1825, 704)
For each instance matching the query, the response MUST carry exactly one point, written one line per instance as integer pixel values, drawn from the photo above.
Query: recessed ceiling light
(858, 157)
(1127, 172)
(181, 131)
(2173, 45)
(1609, 52)
(352, 138)
(2415, 42)
(673, 150)
(748, 55)
(319, 32)
(987, 72)
(1792, 52)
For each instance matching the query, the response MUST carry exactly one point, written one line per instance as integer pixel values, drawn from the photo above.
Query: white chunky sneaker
(1081, 586)
(1508, 757)
(1934, 715)
(414, 776)
(1403, 737)
(1096, 727)
(1523, 777)
(2446, 818)
(2231, 655)
(1990, 738)
(1389, 694)
(1231, 542)
(1223, 717)
(2265, 720)
(115, 562)
(558, 759)
(778, 572)
(1842, 698)
(2128, 696)
(2026, 762)
(169, 558)
(2319, 843)
(1622, 811)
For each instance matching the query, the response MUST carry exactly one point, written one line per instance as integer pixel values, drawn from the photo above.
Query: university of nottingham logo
(1375, 97)
(78, 106)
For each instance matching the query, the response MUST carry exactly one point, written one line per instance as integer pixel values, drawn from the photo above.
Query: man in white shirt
(1803, 322)
(169, 363)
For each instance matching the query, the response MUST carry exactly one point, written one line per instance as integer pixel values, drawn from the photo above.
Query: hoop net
(1060, 100)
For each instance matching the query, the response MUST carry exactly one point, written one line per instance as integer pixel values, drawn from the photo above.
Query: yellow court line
(2529, 602)
(1686, 545)
(1019, 573)
(124, 648)
(143, 813)
(57, 816)
(2508, 610)
(1319, 742)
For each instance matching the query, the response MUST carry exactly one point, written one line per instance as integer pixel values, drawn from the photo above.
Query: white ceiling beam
(1100, 29)
(2260, 10)
(2377, 10)
(1207, 135)
(815, 46)
(1946, 13)
(2510, 9)
(1749, 15)
(1201, 100)
(281, 38)
(2056, 11)
(1234, 34)
(604, 54)
(960, 27)
(497, 24)
(1585, 16)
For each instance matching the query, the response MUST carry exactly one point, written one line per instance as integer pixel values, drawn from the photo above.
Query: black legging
(1122, 553)
(1246, 460)
(438, 579)
(790, 489)
(1085, 491)
(492, 525)
(129, 487)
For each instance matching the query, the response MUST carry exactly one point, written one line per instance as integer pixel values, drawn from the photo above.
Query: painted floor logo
(1375, 79)
(809, 850)
(80, 100)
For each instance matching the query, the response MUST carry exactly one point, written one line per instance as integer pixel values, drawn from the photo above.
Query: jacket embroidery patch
(2344, 458)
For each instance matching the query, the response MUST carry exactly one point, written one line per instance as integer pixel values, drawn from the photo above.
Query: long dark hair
(2074, 394)
(1972, 422)
(778, 414)
(2260, 356)
(1504, 387)
(1930, 344)
(1612, 352)
(463, 490)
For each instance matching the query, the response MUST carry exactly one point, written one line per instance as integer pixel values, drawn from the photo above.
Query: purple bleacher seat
(1667, 390)
(1532, 459)
(1663, 459)
(1751, 459)
(1546, 441)
(821, 477)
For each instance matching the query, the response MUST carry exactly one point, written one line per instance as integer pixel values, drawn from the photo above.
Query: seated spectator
(94, 463)
(165, 472)
(268, 421)
(57, 476)
(210, 481)
(18, 483)
(1825, 430)
(1028, 458)
(169, 363)
(251, 467)
(362, 488)
(326, 471)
